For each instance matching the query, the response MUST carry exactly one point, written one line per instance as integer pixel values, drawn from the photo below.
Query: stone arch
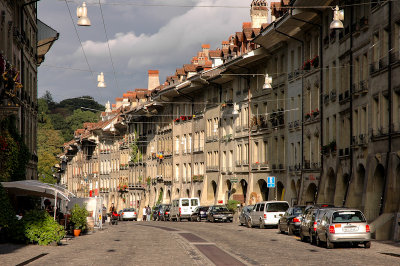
(293, 189)
(169, 196)
(243, 186)
(177, 192)
(188, 193)
(341, 187)
(228, 189)
(354, 197)
(160, 196)
(330, 186)
(280, 191)
(263, 188)
(199, 194)
(393, 196)
(375, 193)
(309, 197)
(214, 189)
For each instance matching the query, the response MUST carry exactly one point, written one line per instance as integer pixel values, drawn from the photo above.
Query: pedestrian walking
(144, 213)
(148, 212)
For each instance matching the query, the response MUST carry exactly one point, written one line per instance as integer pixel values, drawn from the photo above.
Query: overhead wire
(108, 45)
(80, 42)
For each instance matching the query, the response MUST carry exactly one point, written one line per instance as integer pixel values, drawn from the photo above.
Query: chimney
(154, 80)
(206, 49)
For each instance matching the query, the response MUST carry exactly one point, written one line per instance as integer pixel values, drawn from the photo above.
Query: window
(262, 207)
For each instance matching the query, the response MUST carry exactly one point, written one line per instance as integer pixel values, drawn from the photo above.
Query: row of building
(327, 127)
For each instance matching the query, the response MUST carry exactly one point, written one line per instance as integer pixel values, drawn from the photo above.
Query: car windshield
(298, 210)
(204, 209)
(221, 209)
(277, 207)
(348, 217)
(249, 208)
(129, 210)
(185, 202)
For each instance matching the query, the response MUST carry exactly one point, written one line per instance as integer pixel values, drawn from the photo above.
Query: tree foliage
(56, 125)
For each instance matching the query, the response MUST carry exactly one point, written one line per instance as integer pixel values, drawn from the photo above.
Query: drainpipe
(302, 125)
(351, 109)
(384, 192)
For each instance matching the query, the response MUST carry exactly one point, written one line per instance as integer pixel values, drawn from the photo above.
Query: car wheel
(212, 219)
(198, 219)
(280, 229)
(329, 244)
(290, 231)
(249, 224)
(311, 239)
(262, 225)
(317, 241)
(302, 237)
(367, 244)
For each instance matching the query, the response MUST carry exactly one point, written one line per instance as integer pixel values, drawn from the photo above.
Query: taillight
(265, 216)
(296, 220)
(134, 213)
(367, 228)
(180, 210)
(315, 226)
(331, 229)
(167, 213)
(122, 213)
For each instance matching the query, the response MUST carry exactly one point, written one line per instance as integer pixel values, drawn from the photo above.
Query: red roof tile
(189, 68)
(216, 53)
(205, 46)
(246, 25)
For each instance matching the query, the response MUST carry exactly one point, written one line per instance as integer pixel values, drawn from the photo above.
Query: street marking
(218, 256)
(192, 238)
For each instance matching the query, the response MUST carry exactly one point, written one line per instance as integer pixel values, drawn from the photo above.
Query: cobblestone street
(186, 243)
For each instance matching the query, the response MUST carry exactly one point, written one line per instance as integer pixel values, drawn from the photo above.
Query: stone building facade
(24, 41)
(326, 128)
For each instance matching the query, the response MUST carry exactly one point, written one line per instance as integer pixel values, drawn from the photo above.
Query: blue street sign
(271, 181)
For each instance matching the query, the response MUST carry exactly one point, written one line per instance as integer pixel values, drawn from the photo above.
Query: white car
(183, 208)
(129, 214)
(267, 213)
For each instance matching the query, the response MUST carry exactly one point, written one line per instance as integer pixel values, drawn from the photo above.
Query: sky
(140, 38)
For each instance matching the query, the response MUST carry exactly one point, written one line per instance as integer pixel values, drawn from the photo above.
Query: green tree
(76, 121)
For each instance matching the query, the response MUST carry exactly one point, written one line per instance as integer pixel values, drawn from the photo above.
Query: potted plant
(78, 218)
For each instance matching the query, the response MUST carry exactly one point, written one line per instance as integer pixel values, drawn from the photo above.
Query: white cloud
(166, 49)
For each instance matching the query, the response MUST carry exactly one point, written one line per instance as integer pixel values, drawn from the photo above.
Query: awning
(36, 188)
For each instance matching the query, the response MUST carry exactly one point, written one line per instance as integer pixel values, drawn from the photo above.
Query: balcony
(238, 163)
(212, 168)
(373, 68)
(245, 162)
(362, 139)
(326, 98)
(255, 166)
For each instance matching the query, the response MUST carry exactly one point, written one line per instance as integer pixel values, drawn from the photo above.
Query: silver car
(129, 214)
(244, 214)
(343, 225)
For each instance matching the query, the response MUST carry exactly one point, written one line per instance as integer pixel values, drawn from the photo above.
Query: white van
(267, 213)
(182, 208)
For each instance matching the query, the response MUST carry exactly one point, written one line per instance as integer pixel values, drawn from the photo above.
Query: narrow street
(187, 243)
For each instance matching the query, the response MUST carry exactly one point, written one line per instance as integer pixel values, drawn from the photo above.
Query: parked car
(267, 213)
(158, 212)
(119, 215)
(219, 213)
(291, 219)
(308, 223)
(183, 208)
(164, 212)
(200, 213)
(154, 212)
(343, 225)
(129, 214)
(244, 214)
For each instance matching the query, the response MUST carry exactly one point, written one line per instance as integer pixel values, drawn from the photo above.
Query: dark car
(308, 224)
(164, 212)
(158, 211)
(244, 214)
(219, 213)
(290, 221)
(199, 214)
